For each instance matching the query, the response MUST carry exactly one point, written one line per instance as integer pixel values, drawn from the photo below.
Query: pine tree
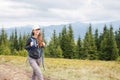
(11, 42)
(4, 45)
(20, 43)
(54, 46)
(16, 46)
(63, 41)
(79, 53)
(97, 39)
(113, 50)
(109, 50)
(103, 45)
(67, 43)
(90, 49)
(3, 38)
(71, 43)
(117, 38)
(24, 39)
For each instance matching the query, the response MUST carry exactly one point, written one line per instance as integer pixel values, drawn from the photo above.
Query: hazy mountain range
(79, 28)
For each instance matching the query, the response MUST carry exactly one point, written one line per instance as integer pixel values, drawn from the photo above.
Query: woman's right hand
(31, 44)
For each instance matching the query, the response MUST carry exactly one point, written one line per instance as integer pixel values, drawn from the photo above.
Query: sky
(54, 12)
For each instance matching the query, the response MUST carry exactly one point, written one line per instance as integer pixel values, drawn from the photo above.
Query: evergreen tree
(71, 43)
(11, 42)
(3, 38)
(54, 46)
(112, 45)
(97, 39)
(90, 49)
(108, 45)
(20, 43)
(24, 38)
(4, 49)
(16, 45)
(63, 41)
(103, 45)
(67, 42)
(79, 53)
(117, 38)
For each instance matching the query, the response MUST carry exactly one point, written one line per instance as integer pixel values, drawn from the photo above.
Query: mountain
(79, 28)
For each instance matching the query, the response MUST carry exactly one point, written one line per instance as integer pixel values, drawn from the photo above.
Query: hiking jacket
(34, 51)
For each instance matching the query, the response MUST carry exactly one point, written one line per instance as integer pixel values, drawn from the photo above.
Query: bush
(20, 53)
(118, 59)
(59, 52)
(23, 53)
(4, 50)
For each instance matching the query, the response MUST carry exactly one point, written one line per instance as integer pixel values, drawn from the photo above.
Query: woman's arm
(28, 46)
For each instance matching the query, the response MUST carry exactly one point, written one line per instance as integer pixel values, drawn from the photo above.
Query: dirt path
(10, 72)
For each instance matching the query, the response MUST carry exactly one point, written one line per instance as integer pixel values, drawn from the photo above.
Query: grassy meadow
(70, 69)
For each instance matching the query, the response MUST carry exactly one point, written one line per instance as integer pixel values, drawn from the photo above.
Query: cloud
(57, 11)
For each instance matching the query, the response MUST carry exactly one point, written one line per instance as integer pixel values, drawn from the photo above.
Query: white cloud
(14, 9)
(68, 15)
(22, 12)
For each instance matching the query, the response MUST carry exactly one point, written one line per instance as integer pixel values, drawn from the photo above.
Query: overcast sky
(47, 12)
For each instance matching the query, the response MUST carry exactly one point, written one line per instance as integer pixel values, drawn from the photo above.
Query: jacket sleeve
(27, 46)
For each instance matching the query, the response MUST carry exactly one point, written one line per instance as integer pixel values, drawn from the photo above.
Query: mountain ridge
(79, 29)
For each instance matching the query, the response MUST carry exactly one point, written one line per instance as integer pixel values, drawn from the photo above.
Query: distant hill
(79, 29)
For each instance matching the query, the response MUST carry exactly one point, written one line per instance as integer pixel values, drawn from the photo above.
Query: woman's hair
(32, 33)
(39, 38)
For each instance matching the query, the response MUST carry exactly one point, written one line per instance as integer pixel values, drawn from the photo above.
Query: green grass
(71, 69)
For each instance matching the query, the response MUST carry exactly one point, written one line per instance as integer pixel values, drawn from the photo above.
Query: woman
(34, 46)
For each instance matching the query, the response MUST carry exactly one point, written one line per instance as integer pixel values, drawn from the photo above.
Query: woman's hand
(43, 44)
(31, 44)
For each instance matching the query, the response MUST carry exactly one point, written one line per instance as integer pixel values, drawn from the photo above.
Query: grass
(71, 69)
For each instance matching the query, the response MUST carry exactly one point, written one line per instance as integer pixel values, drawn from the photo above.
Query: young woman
(34, 46)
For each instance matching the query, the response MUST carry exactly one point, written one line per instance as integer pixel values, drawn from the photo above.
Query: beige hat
(36, 27)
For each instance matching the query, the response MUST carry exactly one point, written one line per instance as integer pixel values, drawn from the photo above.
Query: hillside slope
(16, 68)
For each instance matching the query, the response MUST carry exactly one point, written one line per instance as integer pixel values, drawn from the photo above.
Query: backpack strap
(43, 59)
(34, 41)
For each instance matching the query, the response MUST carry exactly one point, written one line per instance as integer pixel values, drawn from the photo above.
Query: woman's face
(36, 32)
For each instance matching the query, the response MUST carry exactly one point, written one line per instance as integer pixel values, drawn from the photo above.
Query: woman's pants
(35, 64)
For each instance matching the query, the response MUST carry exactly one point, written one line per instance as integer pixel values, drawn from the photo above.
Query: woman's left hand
(43, 43)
